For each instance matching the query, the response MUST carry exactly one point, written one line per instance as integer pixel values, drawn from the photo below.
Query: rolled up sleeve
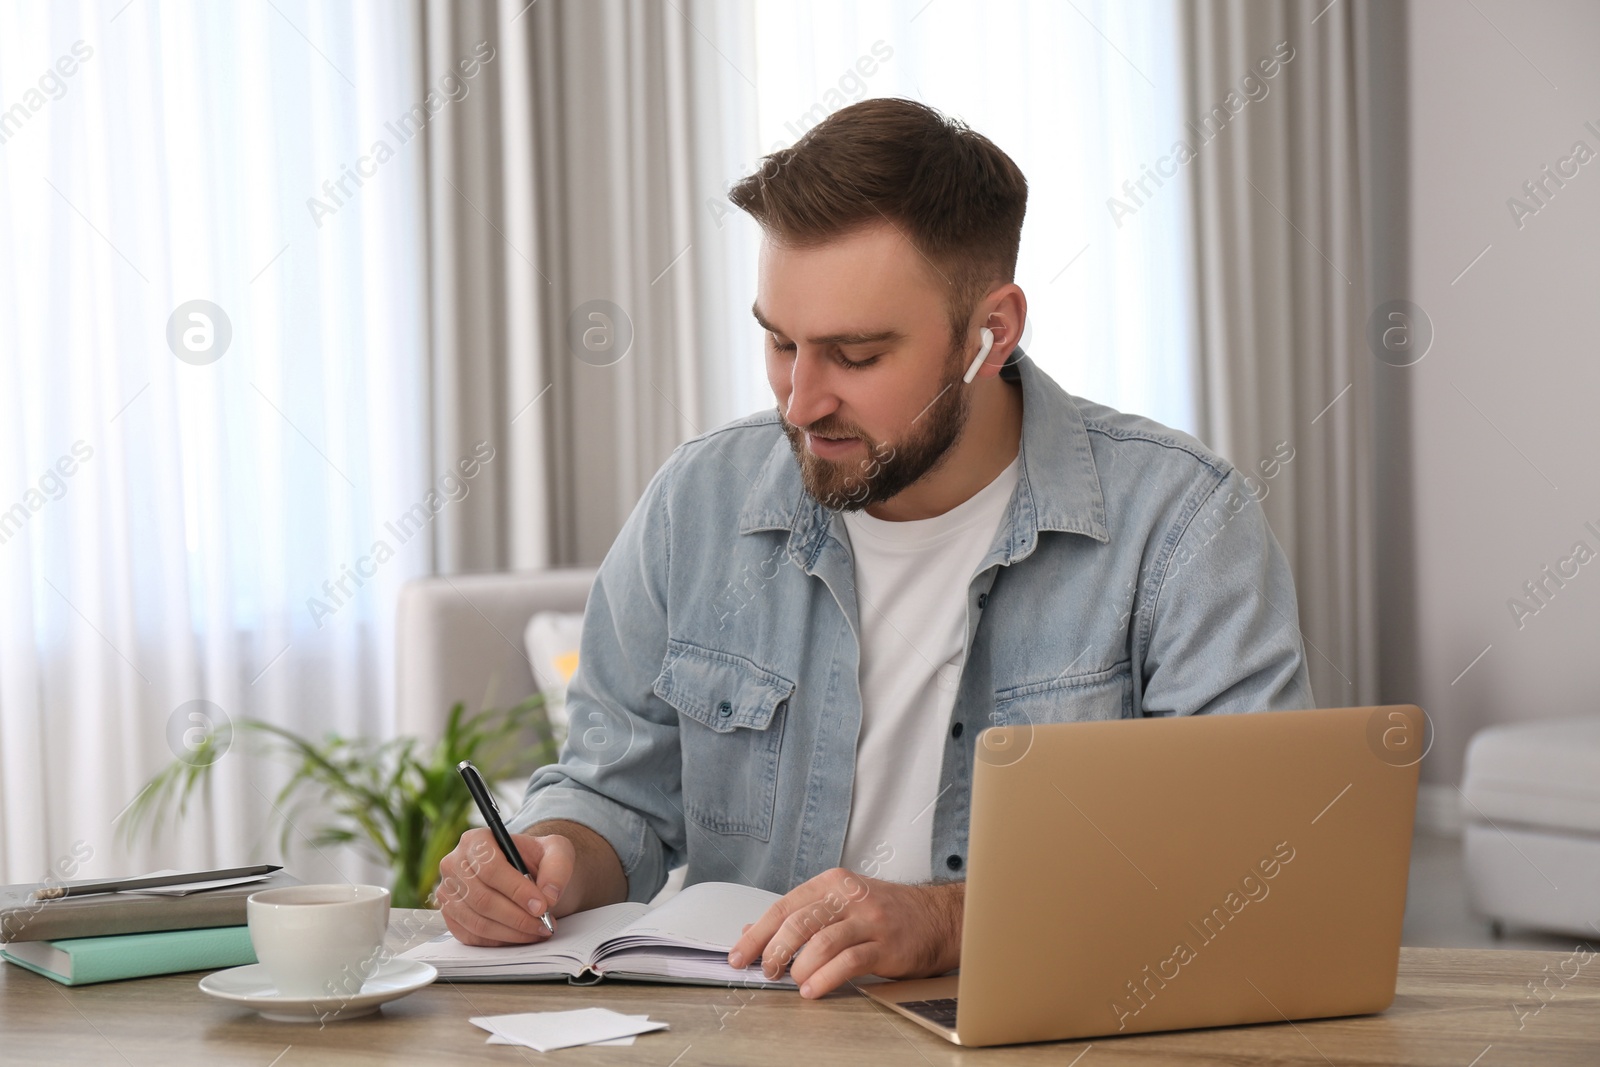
(620, 772)
(1224, 633)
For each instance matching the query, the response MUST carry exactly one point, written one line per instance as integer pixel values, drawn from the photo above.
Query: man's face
(859, 358)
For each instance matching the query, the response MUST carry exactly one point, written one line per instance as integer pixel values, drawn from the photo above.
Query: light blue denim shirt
(715, 709)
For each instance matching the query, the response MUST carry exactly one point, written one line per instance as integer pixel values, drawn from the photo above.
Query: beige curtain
(1286, 272)
(560, 210)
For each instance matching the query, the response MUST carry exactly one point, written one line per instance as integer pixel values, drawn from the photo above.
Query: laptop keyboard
(941, 1011)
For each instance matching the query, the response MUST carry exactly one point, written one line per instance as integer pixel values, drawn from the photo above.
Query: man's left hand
(841, 925)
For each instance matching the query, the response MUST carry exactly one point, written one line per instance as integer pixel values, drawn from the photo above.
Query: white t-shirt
(911, 595)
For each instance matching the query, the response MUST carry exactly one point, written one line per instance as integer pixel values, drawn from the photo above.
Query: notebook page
(568, 950)
(706, 915)
(668, 963)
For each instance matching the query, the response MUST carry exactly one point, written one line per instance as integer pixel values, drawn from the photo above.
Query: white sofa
(461, 638)
(1532, 837)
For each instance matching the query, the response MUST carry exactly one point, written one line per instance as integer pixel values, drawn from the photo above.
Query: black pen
(491, 816)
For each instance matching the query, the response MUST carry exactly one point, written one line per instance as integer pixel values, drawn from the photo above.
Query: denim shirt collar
(1058, 487)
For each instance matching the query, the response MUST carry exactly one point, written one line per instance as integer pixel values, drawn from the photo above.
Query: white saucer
(251, 987)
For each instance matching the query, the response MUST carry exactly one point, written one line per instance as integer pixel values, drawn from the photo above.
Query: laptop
(1162, 874)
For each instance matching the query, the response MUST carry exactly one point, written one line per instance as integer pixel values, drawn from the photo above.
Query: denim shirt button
(954, 863)
(725, 709)
(983, 601)
(955, 731)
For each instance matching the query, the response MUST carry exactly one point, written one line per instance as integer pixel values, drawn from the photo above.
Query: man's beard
(889, 466)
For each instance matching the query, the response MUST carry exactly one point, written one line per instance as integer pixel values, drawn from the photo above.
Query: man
(792, 646)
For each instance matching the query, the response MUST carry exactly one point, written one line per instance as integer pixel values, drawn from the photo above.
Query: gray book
(24, 919)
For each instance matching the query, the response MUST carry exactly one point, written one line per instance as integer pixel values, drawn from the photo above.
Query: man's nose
(811, 394)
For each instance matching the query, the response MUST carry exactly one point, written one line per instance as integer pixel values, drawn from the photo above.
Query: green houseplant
(402, 805)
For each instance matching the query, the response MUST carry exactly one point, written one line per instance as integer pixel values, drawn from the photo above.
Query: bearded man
(793, 645)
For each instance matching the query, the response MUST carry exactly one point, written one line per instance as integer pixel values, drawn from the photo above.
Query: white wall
(1503, 443)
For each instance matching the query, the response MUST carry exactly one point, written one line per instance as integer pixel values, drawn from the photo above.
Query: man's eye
(857, 364)
(773, 341)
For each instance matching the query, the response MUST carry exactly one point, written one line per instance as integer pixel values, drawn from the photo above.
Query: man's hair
(949, 190)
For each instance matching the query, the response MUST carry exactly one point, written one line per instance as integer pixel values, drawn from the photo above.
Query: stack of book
(133, 928)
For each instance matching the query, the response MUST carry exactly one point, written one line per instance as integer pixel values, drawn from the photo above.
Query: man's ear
(1006, 313)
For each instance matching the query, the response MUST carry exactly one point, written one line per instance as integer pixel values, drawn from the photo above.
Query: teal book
(83, 960)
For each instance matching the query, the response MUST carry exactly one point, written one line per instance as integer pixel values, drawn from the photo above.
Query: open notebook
(686, 939)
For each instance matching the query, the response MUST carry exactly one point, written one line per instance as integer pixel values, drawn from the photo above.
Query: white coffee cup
(319, 941)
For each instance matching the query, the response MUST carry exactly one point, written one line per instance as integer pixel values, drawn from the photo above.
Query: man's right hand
(485, 901)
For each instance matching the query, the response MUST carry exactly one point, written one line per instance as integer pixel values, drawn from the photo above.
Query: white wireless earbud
(983, 351)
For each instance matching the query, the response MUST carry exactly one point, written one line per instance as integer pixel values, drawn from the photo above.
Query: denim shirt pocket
(732, 714)
(1098, 696)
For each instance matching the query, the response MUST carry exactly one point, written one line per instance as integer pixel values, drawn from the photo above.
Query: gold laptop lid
(1157, 874)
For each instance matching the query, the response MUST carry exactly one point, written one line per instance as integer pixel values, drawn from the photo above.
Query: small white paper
(546, 1031)
(496, 1039)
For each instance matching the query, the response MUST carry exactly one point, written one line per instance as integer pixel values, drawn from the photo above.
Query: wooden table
(1453, 1008)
